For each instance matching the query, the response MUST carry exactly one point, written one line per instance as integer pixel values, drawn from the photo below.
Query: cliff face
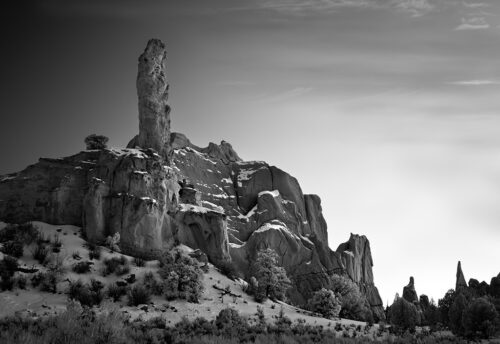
(171, 190)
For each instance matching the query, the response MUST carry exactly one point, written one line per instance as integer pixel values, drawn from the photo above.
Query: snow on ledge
(274, 193)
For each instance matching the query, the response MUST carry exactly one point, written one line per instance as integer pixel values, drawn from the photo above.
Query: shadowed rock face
(207, 198)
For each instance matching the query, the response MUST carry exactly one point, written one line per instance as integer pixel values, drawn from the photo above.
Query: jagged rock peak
(461, 283)
(409, 292)
(152, 91)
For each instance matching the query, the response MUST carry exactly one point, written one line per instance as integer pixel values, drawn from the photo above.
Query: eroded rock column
(152, 91)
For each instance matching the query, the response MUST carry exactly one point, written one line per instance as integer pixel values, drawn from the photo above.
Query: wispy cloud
(483, 82)
(236, 83)
(475, 4)
(282, 96)
(473, 23)
(300, 7)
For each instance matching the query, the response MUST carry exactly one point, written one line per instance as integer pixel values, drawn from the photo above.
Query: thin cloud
(282, 96)
(473, 23)
(414, 7)
(475, 4)
(475, 82)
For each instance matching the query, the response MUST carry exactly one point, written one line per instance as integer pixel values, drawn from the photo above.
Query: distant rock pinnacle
(461, 284)
(152, 91)
(409, 292)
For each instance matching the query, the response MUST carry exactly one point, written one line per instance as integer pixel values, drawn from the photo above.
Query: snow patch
(274, 193)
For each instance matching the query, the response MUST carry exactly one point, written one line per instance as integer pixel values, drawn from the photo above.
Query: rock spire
(152, 91)
(461, 284)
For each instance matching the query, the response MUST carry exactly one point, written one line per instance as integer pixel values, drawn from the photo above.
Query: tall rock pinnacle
(152, 91)
(409, 292)
(461, 284)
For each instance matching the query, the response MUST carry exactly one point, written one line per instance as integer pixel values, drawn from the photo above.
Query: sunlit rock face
(163, 190)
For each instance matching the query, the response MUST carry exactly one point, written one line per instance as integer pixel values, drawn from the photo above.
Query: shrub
(227, 269)
(87, 294)
(119, 266)
(81, 267)
(94, 252)
(271, 277)
(8, 266)
(182, 276)
(21, 281)
(13, 248)
(116, 292)
(49, 282)
(40, 253)
(25, 233)
(403, 315)
(480, 319)
(94, 141)
(229, 322)
(152, 284)
(139, 262)
(326, 303)
(138, 295)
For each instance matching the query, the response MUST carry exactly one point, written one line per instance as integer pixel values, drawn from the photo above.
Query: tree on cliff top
(94, 141)
(272, 281)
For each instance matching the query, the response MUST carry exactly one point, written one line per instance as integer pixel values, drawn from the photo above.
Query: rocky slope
(164, 189)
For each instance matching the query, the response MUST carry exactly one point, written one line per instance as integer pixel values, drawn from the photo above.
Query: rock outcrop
(152, 91)
(409, 292)
(460, 283)
(163, 189)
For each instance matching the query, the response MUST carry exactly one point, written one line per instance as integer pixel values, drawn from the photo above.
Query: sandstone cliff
(164, 189)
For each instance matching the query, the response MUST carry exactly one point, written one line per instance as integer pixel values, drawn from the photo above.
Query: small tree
(326, 303)
(403, 314)
(480, 319)
(94, 141)
(271, 277)
(456, 312)
(444, 306)
(113, 242)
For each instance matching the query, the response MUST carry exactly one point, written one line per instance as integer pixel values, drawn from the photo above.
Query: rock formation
(409, 292)
(152, 91)
(163, 189)
(460, 284)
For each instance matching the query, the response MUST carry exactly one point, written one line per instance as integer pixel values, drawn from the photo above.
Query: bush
(152, 284)
(138, 295)
(8, 266)
(229, 322)
(139, 262)
(94, 252)
(40, 253)
(116, 292)
(94, 141)
(271, 277)
(21, 281)
(87, 294)
(25, 233)
(182, 277)
(49, 281)
(13, 248)
(403, 315)
(81, 267)
(119, 266)
(326, 303)
(227, 269)
(480, 319)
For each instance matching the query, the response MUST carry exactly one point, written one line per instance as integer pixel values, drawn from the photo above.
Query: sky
(387, 109)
